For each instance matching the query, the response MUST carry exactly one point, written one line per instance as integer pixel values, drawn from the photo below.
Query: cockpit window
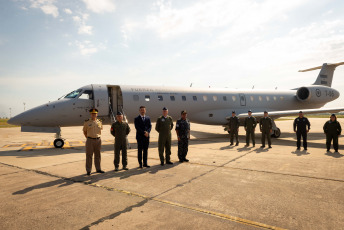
(87, 94)
(73, 94)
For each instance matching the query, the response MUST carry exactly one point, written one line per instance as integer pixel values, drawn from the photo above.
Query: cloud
(47, 6)
(237, 17)
(81, 22)
(100, 6)
(87, 48)
(68, 11)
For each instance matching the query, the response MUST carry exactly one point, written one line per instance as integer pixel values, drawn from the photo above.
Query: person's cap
(164, 108)
(93, 110)
(250, 111)
(182, 112)
(119, 113)
(333, 115)
(233, 111)
(265, 111)
(300, 112)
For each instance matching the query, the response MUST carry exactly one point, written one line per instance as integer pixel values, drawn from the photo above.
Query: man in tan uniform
(92, 131)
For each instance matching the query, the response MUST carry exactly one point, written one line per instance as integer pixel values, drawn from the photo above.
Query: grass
(4, 124)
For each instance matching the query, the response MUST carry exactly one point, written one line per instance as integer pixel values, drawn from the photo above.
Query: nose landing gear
(58, 142)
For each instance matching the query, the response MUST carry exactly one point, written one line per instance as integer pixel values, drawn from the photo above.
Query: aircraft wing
(277, 114)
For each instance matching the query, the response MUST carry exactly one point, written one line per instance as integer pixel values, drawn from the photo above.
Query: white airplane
(204, 106)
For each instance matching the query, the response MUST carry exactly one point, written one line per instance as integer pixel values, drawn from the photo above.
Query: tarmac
(222, 187)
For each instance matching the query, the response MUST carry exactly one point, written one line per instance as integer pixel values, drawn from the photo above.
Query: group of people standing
(164, 125)
(301, 127)
(120, 130)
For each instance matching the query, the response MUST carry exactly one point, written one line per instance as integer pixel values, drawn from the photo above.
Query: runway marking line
(211, 213)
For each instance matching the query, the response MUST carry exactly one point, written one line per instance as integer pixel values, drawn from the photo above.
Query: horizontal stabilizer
(319, 67)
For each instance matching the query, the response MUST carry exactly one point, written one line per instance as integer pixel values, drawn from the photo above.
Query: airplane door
(242, 99)
(101, 101)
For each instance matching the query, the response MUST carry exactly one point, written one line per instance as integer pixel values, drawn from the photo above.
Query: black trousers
(142, 147)
(329, 138)
(183, 147)
(304, 138)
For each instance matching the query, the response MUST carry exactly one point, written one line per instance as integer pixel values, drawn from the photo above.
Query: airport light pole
(24, 106)
(10, 112)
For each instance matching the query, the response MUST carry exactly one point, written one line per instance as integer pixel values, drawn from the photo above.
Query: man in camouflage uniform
(183, 134)
(92, 130)
(120, 129)
(332, 130)
(250, 127)
(300, 128)
(163, 126)
(234, 128)
(265, 125)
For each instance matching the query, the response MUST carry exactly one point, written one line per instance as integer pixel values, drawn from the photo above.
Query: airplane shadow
(96, 177)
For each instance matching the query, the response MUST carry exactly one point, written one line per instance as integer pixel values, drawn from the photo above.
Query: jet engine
(316, 94)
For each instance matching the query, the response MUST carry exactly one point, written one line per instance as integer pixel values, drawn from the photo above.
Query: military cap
(300, 111)
(93, 110)
(164, 108)
(333, 115)
(119, 113)
(250, 111)
(184, 111)
(265, 111)
(233, 111)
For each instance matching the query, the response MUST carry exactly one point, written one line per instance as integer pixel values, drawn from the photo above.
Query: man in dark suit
(143, 127)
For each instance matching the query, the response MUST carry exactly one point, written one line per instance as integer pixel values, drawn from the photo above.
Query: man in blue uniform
(143, 128)
(301, 127)
(183, 134)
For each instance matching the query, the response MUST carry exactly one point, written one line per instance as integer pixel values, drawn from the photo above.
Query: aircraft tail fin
(326, 73)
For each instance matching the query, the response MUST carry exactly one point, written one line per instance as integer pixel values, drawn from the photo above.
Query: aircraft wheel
(58, 143)
(277, 133)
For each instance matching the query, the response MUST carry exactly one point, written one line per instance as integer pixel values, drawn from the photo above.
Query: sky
(51, 47)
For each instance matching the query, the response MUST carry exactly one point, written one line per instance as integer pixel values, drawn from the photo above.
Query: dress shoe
(169, 163)
(231, 144)
(305, 148)
(247, 145)
(328, 150)
(270, 147)
(125, 168)
(181, 161)
(237, 144)
(263, 146)
(116, 169)
(140, 166)
(186, 160)
(100, 171)
(88, 173)
(254, 145)
(162, 163)
(147, 166)
(298, 149)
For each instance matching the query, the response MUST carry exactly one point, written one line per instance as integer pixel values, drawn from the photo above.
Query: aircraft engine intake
(316, 94)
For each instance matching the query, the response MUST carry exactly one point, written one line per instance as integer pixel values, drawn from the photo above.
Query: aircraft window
(282, 98)
(147, 98)
(260, 98)
(160, 98)
(224, 98)
(194, 98)
(252, 98)
(87, 94)
(172, 98)
(267, 98)
(73, 94)
(275, 98)
(205, 98)
(136, 97)
(234, 98)
(183, 98)
(215, 98)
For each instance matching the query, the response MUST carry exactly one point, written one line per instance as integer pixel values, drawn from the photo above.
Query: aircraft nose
(14, 121)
